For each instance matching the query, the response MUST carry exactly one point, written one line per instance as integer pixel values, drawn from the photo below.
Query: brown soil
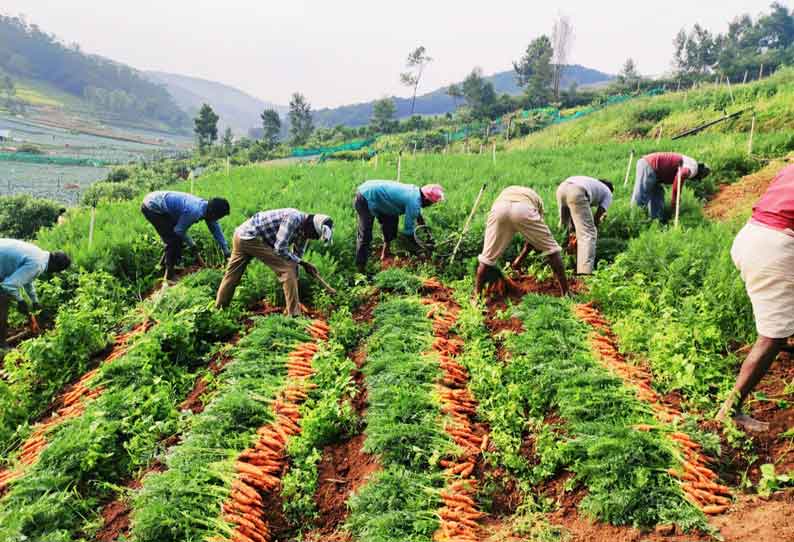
(343, 469)
(759, 520)
(732, 200)
(116, 515)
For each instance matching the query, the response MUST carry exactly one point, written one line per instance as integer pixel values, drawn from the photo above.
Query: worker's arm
(22, 278)
(413, 212)
(217, 233)
(185, 221)
(286, 232)
(599, 216)
(555, 261)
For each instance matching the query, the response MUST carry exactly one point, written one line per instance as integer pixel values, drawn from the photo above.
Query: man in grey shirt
(576, 197)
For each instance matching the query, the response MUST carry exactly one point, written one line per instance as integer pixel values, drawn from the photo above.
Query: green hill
(113, 92)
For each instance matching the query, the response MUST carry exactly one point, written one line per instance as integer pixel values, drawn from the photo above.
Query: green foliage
(301, 124)
(271, 127)
(398, 281)
(383, 116)
(534, 71)
(771, 481)
(22, 216)
(206, 127)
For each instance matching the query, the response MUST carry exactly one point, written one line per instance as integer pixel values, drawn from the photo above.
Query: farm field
(397, 410)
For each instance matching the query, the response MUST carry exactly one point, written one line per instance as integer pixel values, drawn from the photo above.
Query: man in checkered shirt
(277, 238)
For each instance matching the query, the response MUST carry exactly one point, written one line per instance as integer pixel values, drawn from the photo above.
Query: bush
(30, 149)
(22, 216)
(118, 175)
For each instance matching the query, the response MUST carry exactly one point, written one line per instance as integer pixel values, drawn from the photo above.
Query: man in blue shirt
(277, 238)
(386, 201)
(172, 213)
(20, 264)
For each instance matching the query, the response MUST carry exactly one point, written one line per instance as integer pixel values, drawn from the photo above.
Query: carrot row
(72, 405)
(698, 482)
(458, 516)
(259, 468)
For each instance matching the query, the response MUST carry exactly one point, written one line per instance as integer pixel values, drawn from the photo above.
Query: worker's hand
(409, 243)
(515, 265)
(36, 306)
(310, 269)
(23, 307)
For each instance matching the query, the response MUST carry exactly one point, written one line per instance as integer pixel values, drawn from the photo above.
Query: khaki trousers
(574, 205)
(243, 250)
(508, 218)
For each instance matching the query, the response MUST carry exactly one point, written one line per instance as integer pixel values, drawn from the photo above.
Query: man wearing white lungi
(763, 251)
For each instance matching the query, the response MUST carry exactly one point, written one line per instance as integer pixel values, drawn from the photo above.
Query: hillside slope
(438, 102)
(237, 110)
(114, 92)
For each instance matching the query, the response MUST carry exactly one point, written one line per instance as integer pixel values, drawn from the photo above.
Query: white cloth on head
(765, 259)
(691, 164)
(322, 225)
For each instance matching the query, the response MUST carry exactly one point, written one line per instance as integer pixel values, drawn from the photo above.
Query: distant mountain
(114, 92)
(236, 109)
(438, 103)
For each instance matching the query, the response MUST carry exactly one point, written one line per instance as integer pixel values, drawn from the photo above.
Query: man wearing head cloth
(277, 238)
(386, 201)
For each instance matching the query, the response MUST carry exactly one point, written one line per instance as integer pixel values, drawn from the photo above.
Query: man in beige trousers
(576, 197)
(277, 238)
(518, 209)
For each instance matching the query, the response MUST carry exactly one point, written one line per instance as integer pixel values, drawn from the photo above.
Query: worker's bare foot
(750, 424)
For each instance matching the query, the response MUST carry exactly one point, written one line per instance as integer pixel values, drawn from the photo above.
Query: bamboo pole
(750, 142)
(628, 168)
(677, 197)
(91, 225)
(468, 222)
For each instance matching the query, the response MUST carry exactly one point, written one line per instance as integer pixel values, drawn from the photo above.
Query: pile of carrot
(72, 405)
(260, 468)
(503, 286)
(698, 482)
(459, 514)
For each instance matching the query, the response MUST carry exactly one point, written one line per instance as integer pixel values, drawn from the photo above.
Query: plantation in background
(399, 411)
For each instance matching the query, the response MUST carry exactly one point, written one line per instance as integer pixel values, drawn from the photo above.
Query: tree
(227, 141)
(271, 128)
(479, 94)
(696, 52)
(455, 92)
(534, 71)
(382, 120)
(301, 124)
(416, 63)
(562, 37)
(629, 75)
(206, 127)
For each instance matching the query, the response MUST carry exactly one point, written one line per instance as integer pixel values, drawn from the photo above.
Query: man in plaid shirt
(277, 238)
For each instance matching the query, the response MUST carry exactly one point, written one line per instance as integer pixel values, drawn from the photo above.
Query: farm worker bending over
(278, 239)
(658, 169)
(386, 201)
(763, 251)
(20, 264)
(518, 209)
(575, 197)
(172, 213)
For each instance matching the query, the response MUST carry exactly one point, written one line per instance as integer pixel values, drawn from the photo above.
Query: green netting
(352, 146)
(32, 158)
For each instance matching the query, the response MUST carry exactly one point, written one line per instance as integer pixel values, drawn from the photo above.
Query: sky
(348, 51)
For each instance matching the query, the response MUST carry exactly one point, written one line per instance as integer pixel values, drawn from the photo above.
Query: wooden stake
(761, 72)
(91, 225)
(468, 222)
(228, 165)
(493, 150)
(746, 73)
(677, 197)
(376, 161)
(509, 126)
(481, 145)
(192, 182)
(659, 135)
(414, 148)
(730, 89)
(628, 168)
(750, 142)
(399, 165)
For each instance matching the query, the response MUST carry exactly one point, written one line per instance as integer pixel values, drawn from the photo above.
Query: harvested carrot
(713, 510)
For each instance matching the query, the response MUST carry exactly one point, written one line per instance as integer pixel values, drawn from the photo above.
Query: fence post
(677, 197)
(91, 224)
(752, 132)
(628, 168)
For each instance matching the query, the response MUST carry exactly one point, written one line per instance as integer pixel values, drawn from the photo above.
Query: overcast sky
(345, 51)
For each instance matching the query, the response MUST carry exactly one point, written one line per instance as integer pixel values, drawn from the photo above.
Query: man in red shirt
(658, 169)
(763, 251)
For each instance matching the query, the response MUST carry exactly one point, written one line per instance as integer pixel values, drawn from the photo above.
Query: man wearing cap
(763, 251)
(20, 264)
(277, 238)
(518, 209)
(576, 197)
(172, 213)
(661, 168)
(386, 201)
